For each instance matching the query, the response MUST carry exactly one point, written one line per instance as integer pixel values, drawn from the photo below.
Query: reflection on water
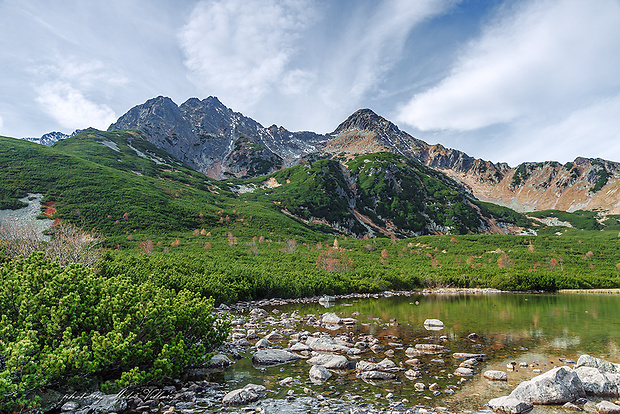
(538, 329)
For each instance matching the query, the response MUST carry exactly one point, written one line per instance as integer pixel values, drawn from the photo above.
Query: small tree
(146, 246)
(504, 262)
(334, 260)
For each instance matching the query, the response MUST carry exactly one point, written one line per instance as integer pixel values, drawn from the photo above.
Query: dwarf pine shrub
(62, 325)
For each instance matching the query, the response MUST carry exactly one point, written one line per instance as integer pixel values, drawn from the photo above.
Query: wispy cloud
(80, 73)
(240, 49)
(536, 62)
(372, 42)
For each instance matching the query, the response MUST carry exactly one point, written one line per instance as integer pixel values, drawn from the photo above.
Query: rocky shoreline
(329, 347)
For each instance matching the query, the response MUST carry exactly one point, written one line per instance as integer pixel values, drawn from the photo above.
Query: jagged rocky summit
(215, 140)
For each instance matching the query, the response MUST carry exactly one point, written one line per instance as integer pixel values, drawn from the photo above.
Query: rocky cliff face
(585, 184)
(222, 143)
(215, 140)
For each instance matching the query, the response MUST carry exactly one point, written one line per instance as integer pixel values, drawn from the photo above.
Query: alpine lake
(532, 331)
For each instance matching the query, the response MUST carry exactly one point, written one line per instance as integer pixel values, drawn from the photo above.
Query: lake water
(542, 330)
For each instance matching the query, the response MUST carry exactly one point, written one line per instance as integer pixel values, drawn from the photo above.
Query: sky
(507, 81)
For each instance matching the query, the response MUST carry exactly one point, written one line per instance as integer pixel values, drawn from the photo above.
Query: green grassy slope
(109, 194)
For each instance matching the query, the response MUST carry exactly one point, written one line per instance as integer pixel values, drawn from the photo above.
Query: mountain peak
(365, 119)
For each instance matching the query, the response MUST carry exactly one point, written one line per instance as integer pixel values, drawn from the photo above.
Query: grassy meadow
(229, 268)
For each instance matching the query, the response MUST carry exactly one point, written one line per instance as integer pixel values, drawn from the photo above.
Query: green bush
(62, 325)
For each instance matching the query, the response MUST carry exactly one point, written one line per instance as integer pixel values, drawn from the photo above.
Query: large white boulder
(557, 386)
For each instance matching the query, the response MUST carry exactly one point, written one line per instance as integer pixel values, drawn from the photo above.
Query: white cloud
(1, 123)
(537, 63)
(71, 109)
(302, 63)
(70, 90)
(238, 49)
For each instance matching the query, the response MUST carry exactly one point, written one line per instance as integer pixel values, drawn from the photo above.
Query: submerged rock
(377, 375)
(509, 405)
(326, 344)
(495, 375)
(273, 357)
(465, 355)
(319, 373)
(431, 348)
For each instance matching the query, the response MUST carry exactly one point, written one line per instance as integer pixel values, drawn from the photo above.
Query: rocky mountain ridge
(215, 140)
(221, 143)
(51, 138)
(584, 184)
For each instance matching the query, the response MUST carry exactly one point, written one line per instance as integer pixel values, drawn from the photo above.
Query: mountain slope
(221, 143)
(120, 184)
(377, 194)
(582, 184)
